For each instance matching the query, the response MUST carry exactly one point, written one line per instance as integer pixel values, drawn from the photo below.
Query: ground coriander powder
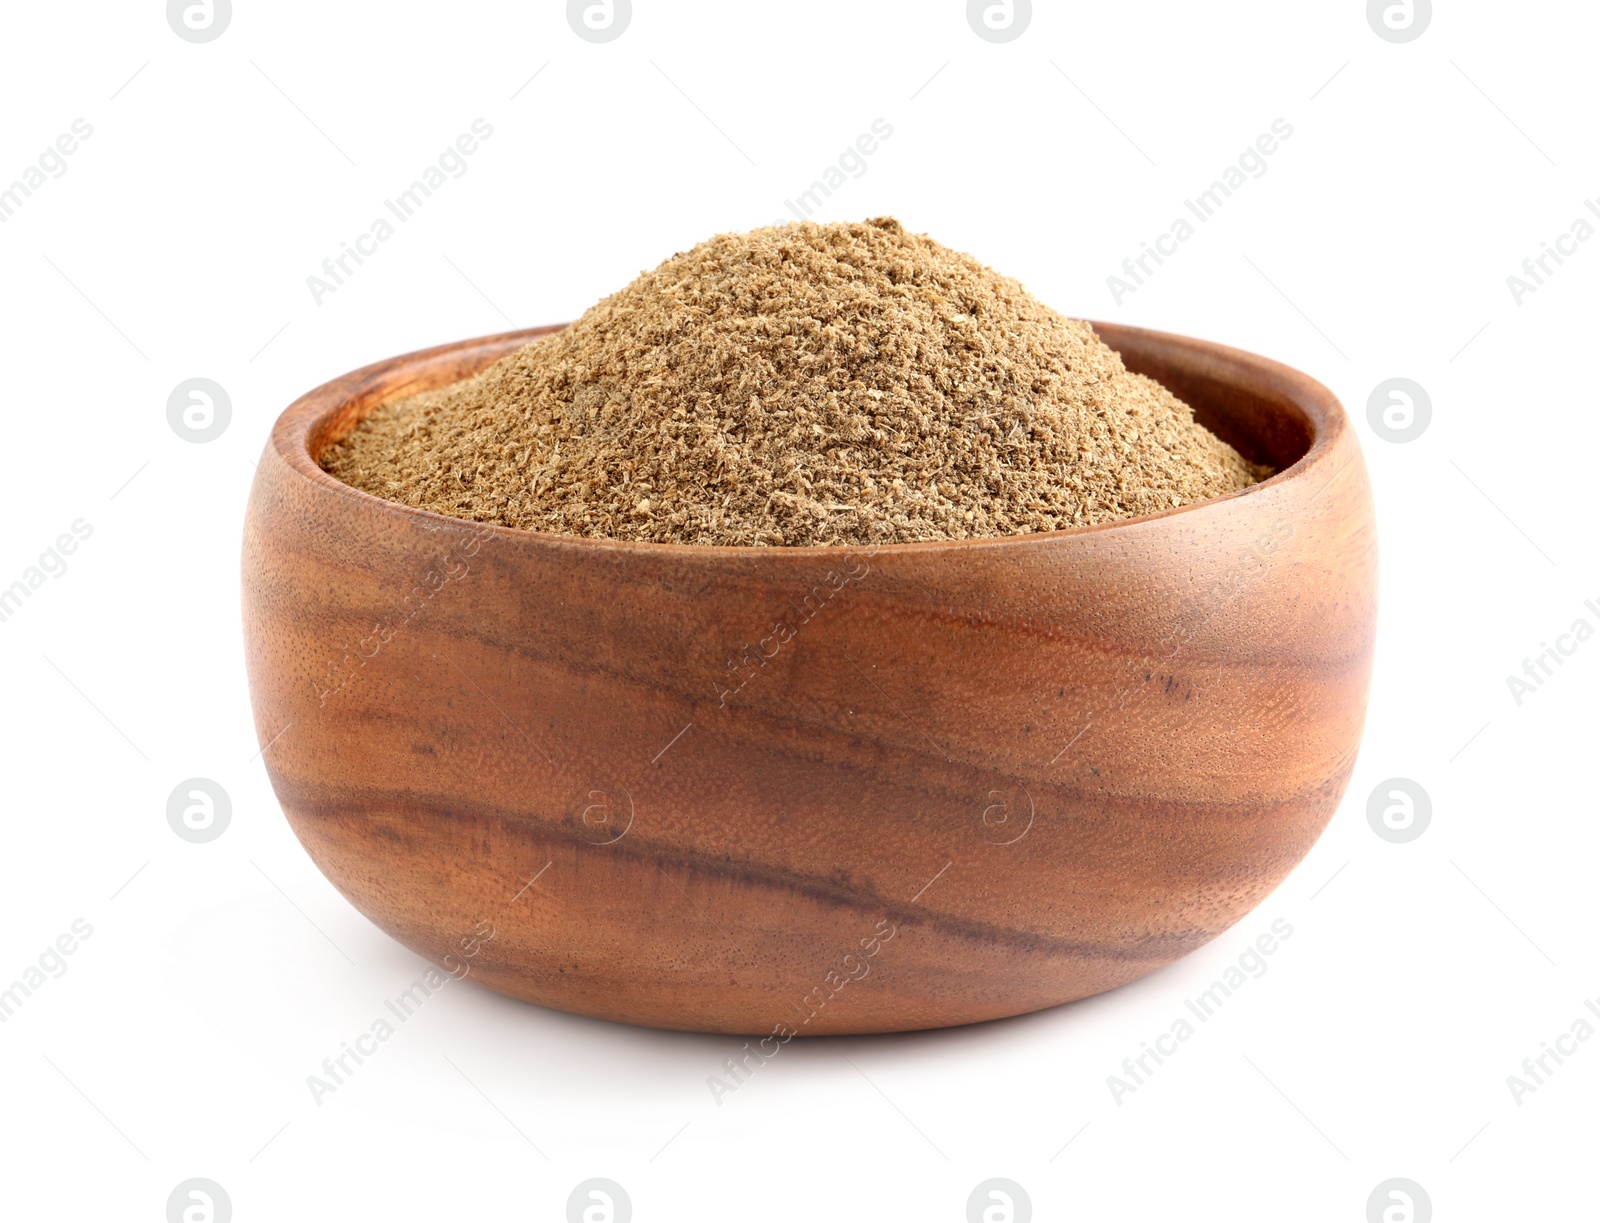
(800, 384)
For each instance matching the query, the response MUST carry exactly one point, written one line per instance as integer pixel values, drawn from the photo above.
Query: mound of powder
(800, 384)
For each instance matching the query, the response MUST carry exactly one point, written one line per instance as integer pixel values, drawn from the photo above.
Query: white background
(177, 244)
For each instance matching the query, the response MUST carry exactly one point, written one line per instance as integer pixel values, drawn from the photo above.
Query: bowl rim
(312, 412)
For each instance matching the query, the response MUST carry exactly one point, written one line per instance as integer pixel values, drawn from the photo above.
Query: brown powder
(803, 384)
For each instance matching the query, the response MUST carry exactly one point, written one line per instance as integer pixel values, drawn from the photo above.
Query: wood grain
(815, 790)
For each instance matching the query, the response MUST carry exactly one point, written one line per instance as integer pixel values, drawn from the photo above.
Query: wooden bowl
(773, 791)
